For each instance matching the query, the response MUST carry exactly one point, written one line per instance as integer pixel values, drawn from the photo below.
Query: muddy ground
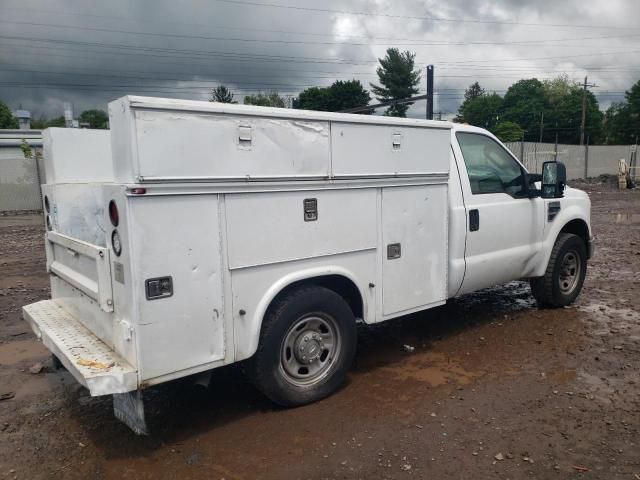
(495, 388)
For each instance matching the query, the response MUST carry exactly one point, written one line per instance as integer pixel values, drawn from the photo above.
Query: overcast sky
(90, 52)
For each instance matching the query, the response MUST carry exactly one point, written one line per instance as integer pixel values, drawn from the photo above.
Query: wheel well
(577, 227)
(339, 284)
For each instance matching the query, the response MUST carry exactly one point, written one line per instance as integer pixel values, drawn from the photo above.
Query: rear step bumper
(86, 357)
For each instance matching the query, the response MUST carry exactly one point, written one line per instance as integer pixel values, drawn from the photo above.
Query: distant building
(24, 119)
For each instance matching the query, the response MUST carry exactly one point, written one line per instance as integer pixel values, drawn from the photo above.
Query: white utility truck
(193, 235)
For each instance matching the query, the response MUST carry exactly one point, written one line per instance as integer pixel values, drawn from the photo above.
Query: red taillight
(113, 213)
(138, 191)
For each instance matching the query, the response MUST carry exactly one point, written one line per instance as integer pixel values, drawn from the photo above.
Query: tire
(311, 328)
(566, 270)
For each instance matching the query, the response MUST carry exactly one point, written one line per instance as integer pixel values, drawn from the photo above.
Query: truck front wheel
(567, 267)
(307, 343)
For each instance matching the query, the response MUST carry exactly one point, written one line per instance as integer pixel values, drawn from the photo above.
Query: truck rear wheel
(567, 267)
(307, 344)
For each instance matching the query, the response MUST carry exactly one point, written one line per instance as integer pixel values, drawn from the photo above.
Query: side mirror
(554, 179)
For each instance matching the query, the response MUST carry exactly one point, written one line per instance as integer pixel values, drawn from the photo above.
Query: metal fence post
(586, 159)
(522, 149)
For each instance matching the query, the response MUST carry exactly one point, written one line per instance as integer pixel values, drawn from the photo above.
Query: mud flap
(129, 409)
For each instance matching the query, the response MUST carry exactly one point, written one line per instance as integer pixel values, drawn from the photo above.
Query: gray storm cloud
(89, 53)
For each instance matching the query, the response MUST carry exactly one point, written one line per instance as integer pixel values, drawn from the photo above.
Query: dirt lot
(495, 388)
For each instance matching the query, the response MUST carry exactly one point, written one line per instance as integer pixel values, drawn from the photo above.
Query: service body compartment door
(414, 248)
(178, 236)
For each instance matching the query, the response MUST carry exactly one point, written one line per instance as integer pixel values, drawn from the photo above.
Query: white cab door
(504, 226)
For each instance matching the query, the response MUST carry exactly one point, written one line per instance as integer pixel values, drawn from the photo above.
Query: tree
(398, 78)
(632, 97)
(221, 94)
(316, 98)
(57, 122)
(566, 113)
(39, 123)
(7, 120)
(563, 112)
(339, 96)
(557, 88)
(524, 103)
(622, 120)
(508, 131)
(271, 99)
(95, 118)
(483, 111)
(617, 124)
(43, 122)
(473, 91)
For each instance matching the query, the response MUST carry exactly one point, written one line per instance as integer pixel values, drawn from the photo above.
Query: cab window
(489, 166)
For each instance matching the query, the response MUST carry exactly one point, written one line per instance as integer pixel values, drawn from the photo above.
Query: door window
(491, 169)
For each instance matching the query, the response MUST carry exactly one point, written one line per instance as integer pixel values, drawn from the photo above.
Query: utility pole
(584, 109)
(429, 92)
(541, 126)
(555, 150)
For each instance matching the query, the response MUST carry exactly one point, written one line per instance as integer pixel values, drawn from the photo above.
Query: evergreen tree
(398, 80)
(221, 94)
(7, 119)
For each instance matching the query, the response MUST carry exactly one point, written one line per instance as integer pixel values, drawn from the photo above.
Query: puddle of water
(434, 369)
(627, 218)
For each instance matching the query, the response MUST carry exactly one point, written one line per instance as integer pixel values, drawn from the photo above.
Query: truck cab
(193, 235)
(508, 228)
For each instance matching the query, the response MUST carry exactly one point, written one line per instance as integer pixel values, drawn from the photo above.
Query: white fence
(581, 161)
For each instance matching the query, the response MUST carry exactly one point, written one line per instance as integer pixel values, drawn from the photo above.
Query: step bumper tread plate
(91, 361)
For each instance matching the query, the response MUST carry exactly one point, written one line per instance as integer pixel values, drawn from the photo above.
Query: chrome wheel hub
(570, 270)
(309, 348)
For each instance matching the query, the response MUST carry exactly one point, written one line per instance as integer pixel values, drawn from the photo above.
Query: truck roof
(168, 104)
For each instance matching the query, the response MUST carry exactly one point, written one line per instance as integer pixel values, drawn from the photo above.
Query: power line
(128, 89)
(528, 72)
(123, 74)
(415, 42)
(489, 68)
(192, 89)
(415, 17)
(298, 59)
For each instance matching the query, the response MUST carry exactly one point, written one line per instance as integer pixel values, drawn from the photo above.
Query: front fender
(567, 214)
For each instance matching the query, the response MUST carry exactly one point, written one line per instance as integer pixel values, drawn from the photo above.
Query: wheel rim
(310, 347)
(570, 270)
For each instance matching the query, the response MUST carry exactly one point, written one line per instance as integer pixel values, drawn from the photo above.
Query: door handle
(474, 220)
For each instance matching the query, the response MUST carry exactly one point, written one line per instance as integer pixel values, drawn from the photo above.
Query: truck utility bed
(85, 356)
(171, 235)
